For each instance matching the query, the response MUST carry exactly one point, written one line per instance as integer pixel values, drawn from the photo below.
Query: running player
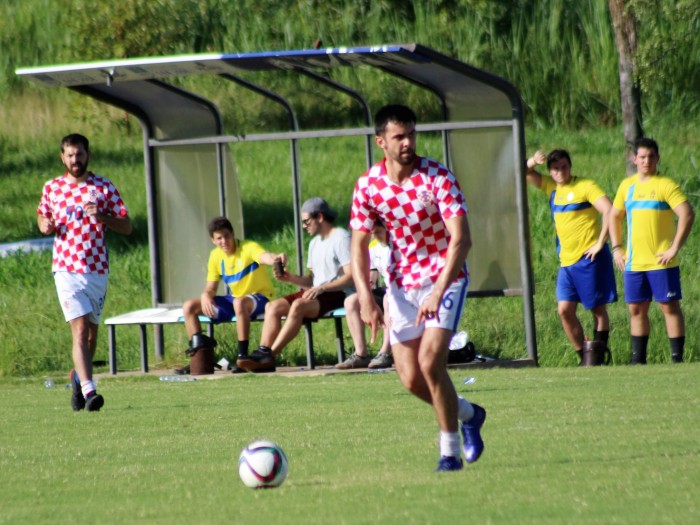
(425, 213)
(78, 207)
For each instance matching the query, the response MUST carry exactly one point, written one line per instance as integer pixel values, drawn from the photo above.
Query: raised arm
(531, 175)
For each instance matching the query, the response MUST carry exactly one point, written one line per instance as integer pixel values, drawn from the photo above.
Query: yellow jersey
(651, 224)
(575, 218)
(241, 271)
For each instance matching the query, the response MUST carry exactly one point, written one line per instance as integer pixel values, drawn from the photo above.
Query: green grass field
(567, 445)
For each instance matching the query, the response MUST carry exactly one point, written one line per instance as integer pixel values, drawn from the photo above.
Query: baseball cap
(318, 205)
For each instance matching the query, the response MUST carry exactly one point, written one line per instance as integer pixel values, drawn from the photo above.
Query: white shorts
(404, 304)
(81, 294)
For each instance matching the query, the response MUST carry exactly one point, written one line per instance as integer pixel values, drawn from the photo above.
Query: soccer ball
(262, 465)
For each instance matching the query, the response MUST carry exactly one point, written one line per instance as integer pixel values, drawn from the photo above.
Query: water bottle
(177, 379)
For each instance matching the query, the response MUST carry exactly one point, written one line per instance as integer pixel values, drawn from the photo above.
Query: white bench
(161, 316)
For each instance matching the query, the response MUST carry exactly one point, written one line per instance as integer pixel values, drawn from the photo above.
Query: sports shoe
(77, 401)
(94, 402)
(184, 371)
(473, 444)
(354, 361)
(382, 360)
(449, 463)
(261, 360)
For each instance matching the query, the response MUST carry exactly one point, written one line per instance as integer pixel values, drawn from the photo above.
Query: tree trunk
(625, 25)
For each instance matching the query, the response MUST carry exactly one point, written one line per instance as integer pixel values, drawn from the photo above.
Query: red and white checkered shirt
(414, 214)
(79, 245)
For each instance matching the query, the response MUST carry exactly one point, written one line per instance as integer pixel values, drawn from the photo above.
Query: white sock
(87, 387)
(465, 410)
(450, 444)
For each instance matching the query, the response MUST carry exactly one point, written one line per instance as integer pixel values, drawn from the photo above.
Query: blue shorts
(663, 285)
(225, 304)
(590, 283)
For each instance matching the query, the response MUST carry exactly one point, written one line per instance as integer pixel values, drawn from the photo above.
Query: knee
(410, 380)
(566, 313)
(297, 309)
(190, 307)
(275, 308)
(351, 302)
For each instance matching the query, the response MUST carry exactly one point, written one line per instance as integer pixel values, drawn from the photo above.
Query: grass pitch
(604, 445)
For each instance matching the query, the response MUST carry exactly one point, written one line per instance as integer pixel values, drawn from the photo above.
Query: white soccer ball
(262, 464)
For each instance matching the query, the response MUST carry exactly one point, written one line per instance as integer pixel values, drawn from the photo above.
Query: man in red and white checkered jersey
(423, 208)
(77, 207)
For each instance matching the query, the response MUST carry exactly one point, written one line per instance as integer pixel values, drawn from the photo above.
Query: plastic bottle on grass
(178, 379)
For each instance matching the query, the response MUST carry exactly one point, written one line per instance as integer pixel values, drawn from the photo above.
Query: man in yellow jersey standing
(649, 260)
(586, 274)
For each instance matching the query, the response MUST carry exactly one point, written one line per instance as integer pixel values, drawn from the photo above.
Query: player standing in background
(425, 213)
(649, 262)
(78, 207)
(586, 274)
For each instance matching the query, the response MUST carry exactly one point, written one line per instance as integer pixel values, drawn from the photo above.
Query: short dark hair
(75, 139)
(218, 224)
(393, 113)
(556, 155)
(645, 142)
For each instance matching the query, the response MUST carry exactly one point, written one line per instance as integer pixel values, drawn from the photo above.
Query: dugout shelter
(190, 172)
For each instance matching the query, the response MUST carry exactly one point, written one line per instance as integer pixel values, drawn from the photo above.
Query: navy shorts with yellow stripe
(590, 283)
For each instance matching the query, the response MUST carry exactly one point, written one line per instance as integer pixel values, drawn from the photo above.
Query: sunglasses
(306, 222)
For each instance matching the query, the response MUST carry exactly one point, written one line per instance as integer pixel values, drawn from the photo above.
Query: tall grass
(560, 54)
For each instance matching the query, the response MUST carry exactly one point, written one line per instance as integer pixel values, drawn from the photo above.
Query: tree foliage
(560, 54)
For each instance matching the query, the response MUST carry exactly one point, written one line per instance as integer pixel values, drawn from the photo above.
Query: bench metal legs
(113, 348)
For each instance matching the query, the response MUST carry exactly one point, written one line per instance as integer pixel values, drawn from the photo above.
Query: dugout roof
(190, 174)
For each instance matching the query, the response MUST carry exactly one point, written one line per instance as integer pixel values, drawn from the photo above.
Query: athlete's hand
(46, 225)
(91, 210)
(538, 158)
(313, 293)
(430, 308)
(372, 316)
(591, 252)
(665, 257)
(620, 258)
(208, 306)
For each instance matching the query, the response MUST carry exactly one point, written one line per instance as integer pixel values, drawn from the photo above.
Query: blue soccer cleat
(471, 434)
(449, 463)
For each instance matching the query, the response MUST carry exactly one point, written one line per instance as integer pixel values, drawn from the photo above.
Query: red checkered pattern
(79, 246)
(414, 214)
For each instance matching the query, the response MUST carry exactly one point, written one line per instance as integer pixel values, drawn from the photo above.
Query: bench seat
(160, 316)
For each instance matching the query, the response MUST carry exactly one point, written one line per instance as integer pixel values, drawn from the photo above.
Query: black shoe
(77, 401)
(94, 402)
(184, 371)
(261, 360)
